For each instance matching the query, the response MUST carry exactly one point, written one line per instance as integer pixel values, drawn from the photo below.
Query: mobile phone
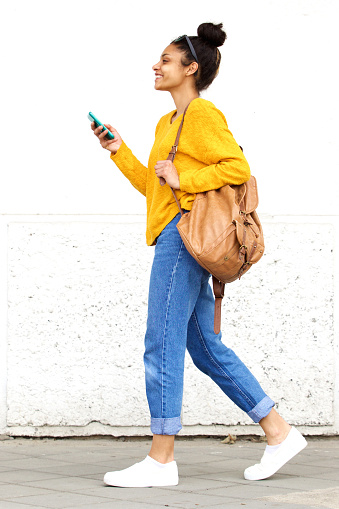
(97, 122)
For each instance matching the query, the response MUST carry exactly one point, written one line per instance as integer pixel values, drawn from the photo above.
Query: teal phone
(97, 122)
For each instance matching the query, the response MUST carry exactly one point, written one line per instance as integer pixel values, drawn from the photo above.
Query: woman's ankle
(275, 428)
(277, 437)
(162, 449)
(161, 458)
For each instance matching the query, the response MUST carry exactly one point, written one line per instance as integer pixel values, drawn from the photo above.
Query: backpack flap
(251, 199)
(239, 193)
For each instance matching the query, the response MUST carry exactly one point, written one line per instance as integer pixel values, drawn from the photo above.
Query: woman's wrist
(114, 150)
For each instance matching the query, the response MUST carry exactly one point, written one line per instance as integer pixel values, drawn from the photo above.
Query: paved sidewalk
(67, 474)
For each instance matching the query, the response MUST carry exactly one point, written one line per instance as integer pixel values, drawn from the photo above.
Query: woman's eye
(164, 61)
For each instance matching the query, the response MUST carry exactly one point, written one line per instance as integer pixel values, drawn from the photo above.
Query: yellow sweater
(207, 158)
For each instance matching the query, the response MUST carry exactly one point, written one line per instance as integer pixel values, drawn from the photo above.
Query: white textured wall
(77, 294)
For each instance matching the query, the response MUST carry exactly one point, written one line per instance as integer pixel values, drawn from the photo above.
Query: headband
(190, 46)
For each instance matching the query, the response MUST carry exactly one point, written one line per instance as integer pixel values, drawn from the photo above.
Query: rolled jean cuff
(262, 409)
(170, 426)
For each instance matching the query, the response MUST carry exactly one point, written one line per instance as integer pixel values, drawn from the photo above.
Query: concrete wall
(77, 304)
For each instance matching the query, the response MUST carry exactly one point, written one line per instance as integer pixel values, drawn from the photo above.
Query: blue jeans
(180, 316)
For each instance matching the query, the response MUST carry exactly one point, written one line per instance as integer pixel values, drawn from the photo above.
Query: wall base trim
(97, 429)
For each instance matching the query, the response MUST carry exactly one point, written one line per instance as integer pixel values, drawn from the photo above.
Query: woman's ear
(193, 67)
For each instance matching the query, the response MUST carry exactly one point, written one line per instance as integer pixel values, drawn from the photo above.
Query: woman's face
(169, 72)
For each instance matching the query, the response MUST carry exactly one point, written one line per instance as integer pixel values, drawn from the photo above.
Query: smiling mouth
(157, 77)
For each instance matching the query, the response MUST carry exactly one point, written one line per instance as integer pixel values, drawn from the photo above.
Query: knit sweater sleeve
(131, 167)
(206, 138)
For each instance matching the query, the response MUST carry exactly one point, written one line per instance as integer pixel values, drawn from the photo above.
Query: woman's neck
(181, 99)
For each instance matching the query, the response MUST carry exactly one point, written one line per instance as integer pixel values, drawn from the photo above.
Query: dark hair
(210, 36)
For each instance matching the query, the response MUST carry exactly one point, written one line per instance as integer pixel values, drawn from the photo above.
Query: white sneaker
(145, 474)
(271, 463)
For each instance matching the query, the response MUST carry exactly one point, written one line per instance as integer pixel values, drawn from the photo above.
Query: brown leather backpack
(222, 232)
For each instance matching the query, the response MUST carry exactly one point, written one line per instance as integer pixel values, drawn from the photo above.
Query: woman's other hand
(111, 145)
(168, 171)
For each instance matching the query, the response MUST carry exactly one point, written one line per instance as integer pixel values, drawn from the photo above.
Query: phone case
(97, 122)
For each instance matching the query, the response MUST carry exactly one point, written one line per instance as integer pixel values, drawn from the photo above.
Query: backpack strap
(171, 157)
(218, 290)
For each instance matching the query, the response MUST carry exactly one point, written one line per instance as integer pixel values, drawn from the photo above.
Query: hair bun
(212, 34)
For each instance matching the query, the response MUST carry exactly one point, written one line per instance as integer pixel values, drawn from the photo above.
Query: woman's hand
(168, 171)
(111, 145)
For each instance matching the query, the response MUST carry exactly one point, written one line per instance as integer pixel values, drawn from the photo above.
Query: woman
(181, 304)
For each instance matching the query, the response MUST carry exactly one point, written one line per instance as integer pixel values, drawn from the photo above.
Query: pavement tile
(87, 457)
(242, 452)
(328, 474)
(111, 464)
(58, 500)
(76, 484)
(196, 484)
(217, 467)
(328, 498)
(310, 470)
(137, 494)
(186, 500)
(235, 504)
(120, 504)
(14, 505)
(322, 446)
(5, 469)
(324, 443)
(69, 447)
(75, 470)
(30, 447)
(193, 460)
(235, 471)
(98, 476)
(249, 491)
(321, 454)
(9, 456)
(13, 491)
(323, 462)
(25, 476)
(233, 476)
(261, 504)
(132, 494)
(34, 463)
(297, 482)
